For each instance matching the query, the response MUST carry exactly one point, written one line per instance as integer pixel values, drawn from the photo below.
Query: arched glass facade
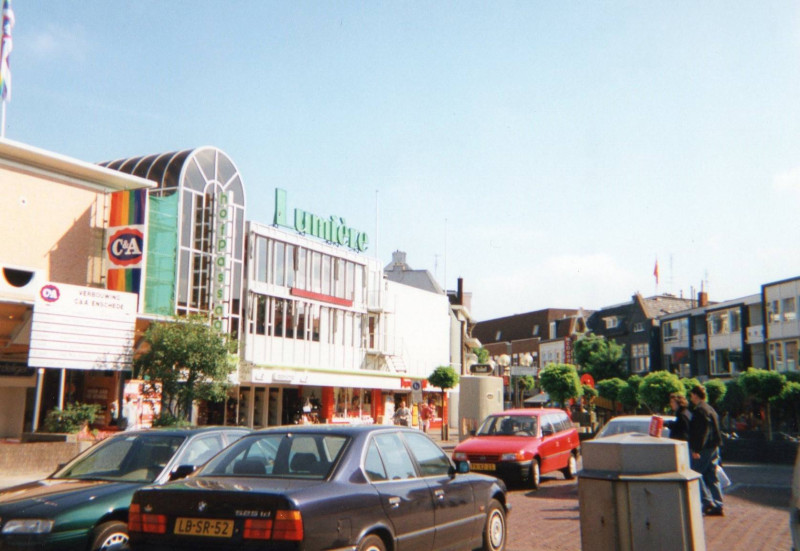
(207, 226)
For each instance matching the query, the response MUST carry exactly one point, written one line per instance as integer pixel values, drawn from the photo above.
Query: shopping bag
(722, 476)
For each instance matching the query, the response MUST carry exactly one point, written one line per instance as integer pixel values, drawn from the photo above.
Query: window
(431, 459)
(535, 331)
(788, 309)
(773, 311)
(373, 464)
(611, 322)
(640, 358)
(261, 259)
(791, 356)
(638, 327)
(395, 457)
(279, 263)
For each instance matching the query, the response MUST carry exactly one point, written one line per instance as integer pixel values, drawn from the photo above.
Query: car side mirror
(182, 471)
(462, 467)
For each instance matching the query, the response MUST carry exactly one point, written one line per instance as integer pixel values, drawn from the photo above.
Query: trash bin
(638, 492)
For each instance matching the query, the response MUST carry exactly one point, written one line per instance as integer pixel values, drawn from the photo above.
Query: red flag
(655, 271)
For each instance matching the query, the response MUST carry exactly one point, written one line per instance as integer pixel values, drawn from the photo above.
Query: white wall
(419, 325)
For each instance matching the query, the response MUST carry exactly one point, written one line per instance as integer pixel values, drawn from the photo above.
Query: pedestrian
(679, 428)
(705, 439)
(130, 414)
(402, 415)
(425, 416)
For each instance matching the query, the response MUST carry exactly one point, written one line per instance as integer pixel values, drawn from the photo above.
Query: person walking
(679, 428)
(704, 442)
(425, 416)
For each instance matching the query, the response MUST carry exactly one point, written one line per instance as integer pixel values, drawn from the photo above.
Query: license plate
(483, 466)
(214, 528)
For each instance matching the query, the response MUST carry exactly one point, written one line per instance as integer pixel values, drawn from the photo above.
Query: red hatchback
(523, 444)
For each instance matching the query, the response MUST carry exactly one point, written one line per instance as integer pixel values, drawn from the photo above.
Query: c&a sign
(125, 246)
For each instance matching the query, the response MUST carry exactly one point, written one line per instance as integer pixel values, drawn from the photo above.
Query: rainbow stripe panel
(127, 209)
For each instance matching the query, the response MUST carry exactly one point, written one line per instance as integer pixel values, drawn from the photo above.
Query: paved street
(756, 513)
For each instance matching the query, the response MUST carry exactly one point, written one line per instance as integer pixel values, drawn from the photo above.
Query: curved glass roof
(191, 168)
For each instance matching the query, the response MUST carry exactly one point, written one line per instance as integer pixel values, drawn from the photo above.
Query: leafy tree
(733, 402)
(715, 390)
(788, 401)
(561, 382)
(589, 394)
(763, 385)
(444, 377)
(656, 388)
(690, 383)
(629, 395)
(190, 359)
(601, 358)
(612, 389)
(482, 354)
(71, 419)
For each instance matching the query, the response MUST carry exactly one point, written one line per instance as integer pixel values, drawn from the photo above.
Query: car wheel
(536, 475)
(494, 534)
(572, 467)
(110, 536)
(371, 543)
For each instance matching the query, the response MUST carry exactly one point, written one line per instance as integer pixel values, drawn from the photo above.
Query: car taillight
(134, 518)
(154, 524)
(288, 526)
(257, 529)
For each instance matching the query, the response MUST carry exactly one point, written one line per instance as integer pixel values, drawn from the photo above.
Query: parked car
(631, 423)
(315, 487)
(522, 444)
(84, 504)
(794, 506)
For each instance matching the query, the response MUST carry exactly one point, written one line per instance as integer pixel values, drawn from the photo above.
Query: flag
(655, 272)
(5, 51)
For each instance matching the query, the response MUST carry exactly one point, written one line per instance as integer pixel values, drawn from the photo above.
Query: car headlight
(459, 456)
(516, 456)
(28, 526)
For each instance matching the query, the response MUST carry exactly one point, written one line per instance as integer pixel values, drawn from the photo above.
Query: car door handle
(439, 494)
(394, 502)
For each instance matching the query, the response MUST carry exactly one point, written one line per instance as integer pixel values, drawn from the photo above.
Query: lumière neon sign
(333, 229)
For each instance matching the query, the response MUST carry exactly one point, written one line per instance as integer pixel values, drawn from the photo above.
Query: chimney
(702, 299)
(460, 292)
(399, 259)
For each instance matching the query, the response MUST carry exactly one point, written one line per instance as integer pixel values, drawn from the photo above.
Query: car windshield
(509, 425)
(134, 458)
(279, 455)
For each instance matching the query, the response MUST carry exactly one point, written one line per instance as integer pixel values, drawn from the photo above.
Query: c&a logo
(125, 247)
(50, 293)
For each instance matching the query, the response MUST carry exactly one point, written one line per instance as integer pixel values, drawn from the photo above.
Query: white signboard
(82, 328)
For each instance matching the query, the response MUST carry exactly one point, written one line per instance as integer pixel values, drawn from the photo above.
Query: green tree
(715, 390)
(190, 359)
(629, 396)
(763, 385)
(561, 382)
(444, 377)
(690, 383)
(733, 402)
(482, 354)
(601, 358)
(612, 389)
(788, 401)
(656, 388)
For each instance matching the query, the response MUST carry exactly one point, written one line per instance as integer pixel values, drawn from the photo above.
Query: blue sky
(546, 152)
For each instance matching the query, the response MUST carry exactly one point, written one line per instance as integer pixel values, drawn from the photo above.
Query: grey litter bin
(637, 492)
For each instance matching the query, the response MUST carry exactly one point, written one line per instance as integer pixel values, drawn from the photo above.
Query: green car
(84, 504)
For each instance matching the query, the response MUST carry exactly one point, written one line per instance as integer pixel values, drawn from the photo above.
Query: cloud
(58, 43)
(788, 181)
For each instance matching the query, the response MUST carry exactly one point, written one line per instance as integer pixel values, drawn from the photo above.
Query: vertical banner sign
(222, 247)
(126, 241)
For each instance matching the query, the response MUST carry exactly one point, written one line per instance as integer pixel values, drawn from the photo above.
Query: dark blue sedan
(326, 487)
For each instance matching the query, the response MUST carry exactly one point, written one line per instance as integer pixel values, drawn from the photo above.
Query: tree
(611, 389)
(444, 377)
(763, 385)
(190, 359)
(629, 395)
(690, 383)
(788, 401)
(715, 391)
(733, 402)
(601, 358)
(561, 382)
(656, 388)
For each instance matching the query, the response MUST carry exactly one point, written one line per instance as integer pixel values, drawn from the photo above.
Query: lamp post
(504, 360)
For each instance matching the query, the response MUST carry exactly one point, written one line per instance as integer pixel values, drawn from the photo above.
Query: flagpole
(3, 123)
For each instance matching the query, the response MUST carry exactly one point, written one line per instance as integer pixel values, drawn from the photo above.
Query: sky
(547, 153)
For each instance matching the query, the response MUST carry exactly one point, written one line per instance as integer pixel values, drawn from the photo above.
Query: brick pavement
(756, 518)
